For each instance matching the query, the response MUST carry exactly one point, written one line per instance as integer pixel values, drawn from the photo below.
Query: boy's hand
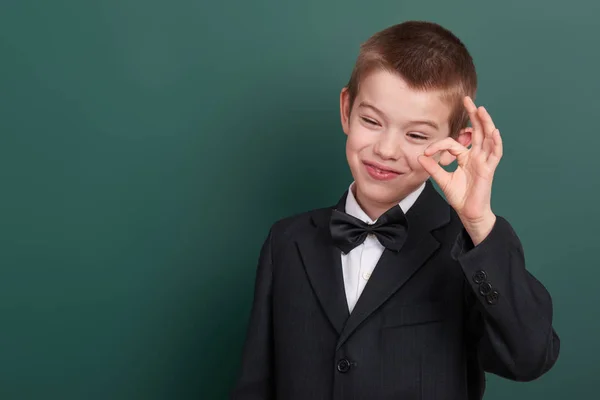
(468, 189)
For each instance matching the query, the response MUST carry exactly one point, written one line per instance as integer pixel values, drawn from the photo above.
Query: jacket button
(343, 365)
(485, 288)
(479, 277)
(492, 297)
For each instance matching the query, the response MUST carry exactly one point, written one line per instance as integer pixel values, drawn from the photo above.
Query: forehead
(391, 94)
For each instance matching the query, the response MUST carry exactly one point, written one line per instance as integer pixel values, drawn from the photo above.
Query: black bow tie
(391, 229)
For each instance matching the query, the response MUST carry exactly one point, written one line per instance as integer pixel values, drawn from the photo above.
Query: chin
(378, 193)
(387, 192)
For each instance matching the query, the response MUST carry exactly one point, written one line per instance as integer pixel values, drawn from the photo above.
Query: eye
(369, 121)
(417, 136)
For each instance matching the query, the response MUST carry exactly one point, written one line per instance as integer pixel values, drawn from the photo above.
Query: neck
(373, 209)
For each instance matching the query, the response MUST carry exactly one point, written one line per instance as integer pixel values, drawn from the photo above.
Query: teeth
(380, 171)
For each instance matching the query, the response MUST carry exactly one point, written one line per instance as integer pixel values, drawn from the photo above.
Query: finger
(486, 121)
(441, 176)
(448, 144)
(477, 136)
(497, 151)
(446, 158)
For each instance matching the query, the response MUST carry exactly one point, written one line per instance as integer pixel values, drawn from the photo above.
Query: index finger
(486, 120)
(477, 136)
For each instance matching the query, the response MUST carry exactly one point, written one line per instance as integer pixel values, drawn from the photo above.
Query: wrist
(479, 229)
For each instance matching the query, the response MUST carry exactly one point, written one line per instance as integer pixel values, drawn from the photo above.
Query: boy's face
(389, 126)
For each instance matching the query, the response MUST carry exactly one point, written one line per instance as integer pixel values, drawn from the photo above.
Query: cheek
(359, 139)
(414, 163)
(412, 153)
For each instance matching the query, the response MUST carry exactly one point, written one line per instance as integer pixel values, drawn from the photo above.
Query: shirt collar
(353, 209)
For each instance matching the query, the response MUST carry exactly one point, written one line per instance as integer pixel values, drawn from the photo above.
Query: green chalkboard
(147, 146)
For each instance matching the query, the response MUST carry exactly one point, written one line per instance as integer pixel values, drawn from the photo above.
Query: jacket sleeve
(509, 310)
(255, 380)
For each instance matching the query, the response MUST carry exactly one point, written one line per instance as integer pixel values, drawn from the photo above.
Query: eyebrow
(432, 124)
(425, 122)
(364, 104)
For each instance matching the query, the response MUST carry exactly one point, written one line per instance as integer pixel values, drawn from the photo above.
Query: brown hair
(428, 57)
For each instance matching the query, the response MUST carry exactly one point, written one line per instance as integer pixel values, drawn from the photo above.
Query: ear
(465, 136)
(345, 110)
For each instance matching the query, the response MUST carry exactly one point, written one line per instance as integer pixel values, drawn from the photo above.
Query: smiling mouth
(379, 172)
(380, 168)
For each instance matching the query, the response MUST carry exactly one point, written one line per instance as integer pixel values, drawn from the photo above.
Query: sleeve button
(492, 297)
(479, 277)
(485, 288)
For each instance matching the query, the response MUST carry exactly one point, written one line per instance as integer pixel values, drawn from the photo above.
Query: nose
(387, 147)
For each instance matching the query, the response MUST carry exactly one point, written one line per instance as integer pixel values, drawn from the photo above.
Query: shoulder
(286, 232)
(297, 225)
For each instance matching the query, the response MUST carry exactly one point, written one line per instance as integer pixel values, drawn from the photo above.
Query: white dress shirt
(358, 264)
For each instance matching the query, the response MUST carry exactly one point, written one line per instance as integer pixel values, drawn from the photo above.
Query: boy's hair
(428, 57)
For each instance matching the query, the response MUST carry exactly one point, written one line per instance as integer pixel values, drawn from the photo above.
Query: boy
(396, 293)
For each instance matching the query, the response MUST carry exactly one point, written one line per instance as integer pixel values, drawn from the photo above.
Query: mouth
(380, 172)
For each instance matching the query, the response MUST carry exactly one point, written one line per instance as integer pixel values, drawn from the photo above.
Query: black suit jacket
(431, 320)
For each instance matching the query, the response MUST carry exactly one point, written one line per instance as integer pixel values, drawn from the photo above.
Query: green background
(147, 146)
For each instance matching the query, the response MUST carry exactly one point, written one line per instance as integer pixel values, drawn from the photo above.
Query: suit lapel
(323, 266)
(394, 269)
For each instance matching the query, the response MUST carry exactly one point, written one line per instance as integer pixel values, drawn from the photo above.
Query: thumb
(438, 173)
